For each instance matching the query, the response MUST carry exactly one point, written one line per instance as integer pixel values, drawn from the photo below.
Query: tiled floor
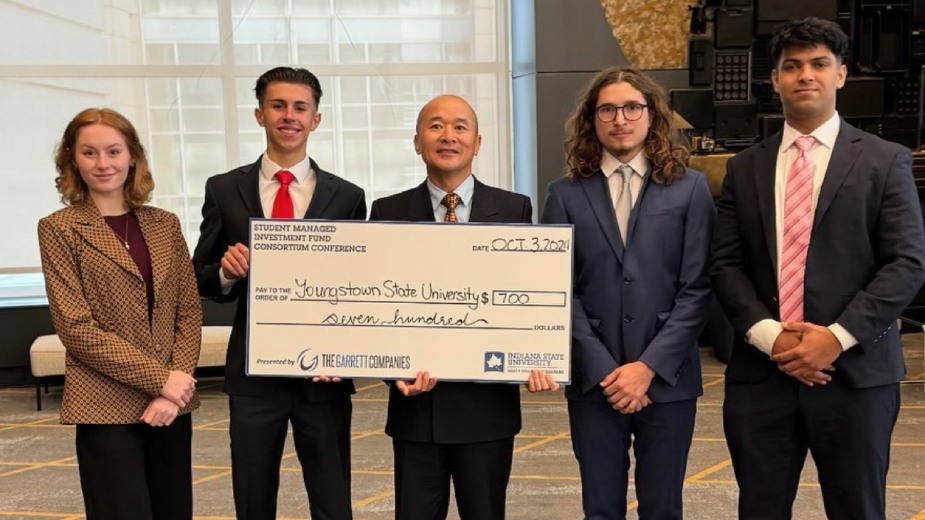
(38, 473)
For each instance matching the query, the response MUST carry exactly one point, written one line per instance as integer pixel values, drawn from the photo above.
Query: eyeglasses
(607, 113)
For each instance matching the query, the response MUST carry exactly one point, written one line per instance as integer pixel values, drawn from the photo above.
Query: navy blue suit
(863, 267)
(644, 301)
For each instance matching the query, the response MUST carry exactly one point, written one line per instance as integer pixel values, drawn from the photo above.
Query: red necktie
(282, 205)
(798, 223)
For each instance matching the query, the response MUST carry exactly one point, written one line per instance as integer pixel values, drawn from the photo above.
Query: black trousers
(136, 471)
(321, 434)
(480, 472)
(770, 426)
(660, 436)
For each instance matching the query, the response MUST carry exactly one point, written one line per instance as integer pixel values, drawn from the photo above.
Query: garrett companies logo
(307, 364)
(494, 361)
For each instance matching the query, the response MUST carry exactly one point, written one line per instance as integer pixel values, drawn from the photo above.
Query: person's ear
(258, 115)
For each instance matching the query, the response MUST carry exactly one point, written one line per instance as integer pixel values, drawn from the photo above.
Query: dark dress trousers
(466, 429)
(646, 300)
(863, 267)
(262, 407)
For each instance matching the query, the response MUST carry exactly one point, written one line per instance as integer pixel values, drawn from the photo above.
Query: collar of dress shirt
(825, 134)
(609, 164)
(300, 170)
(464, 191)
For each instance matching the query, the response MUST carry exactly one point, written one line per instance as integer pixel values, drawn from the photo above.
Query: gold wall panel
(652, 33)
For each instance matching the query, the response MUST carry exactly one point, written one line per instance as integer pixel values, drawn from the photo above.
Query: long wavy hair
(666, 149)
(138, 185)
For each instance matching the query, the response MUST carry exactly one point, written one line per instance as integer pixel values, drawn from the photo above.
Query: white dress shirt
(463, 209)
(610, 165)
(765, 332)
(300, 190)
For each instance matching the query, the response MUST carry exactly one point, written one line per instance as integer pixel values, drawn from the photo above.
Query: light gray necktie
(624, 201)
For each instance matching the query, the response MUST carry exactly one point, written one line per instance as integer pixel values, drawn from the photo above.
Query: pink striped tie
(798, 223)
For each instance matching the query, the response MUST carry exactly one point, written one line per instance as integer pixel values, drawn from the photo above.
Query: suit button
(627, 319)
(627, 280)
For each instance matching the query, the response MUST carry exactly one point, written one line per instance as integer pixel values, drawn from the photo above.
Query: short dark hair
(807, 33)
(298, 76)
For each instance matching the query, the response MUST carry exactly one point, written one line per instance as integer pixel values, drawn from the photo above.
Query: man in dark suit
(641, 293)
(818, 249)
(285, 183)
(459, 430)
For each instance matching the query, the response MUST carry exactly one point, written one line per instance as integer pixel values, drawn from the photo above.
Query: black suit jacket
(454, 413)
(231, 199)
(863, 267)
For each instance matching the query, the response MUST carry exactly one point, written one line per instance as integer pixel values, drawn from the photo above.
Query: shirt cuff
(227, 283)
(844, 337)
(763, 335)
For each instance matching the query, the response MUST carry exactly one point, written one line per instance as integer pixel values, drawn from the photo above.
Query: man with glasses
(643, 223)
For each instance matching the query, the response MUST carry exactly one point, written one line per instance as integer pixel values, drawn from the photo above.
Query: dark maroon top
(137, 249)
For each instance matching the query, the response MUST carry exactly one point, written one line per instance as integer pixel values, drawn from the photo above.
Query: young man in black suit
(817, 249)
(283, 183)
(459, 430)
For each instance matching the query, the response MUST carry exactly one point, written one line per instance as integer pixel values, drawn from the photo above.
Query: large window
(183, 71)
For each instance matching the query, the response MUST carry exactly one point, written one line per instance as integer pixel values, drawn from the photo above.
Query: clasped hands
(806, 352)
(626, 387)
(174, 396)
(538, 381)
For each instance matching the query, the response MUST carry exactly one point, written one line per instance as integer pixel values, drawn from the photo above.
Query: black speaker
(771, 13)
(700, 62)
(733, 28)
(694, 105)
(771, 124)
(861, 97)
(884, 37)
(736, 124)
(903, 95)
(732, 76)
(918, 13)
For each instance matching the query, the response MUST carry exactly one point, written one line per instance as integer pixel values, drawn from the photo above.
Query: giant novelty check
(473, 302)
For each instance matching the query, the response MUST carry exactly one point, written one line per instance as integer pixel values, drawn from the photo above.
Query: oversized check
(474, 302)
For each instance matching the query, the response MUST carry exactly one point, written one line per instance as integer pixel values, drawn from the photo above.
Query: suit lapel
(419, 207)
(844, 155)
(323, 194)
(160, 245)
(484, 207)
(249, 189)
(765, 173)
(97, 233)
(640, 200)
(595, 189)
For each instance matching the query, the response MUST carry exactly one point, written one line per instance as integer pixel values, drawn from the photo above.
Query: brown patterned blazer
(116, 362)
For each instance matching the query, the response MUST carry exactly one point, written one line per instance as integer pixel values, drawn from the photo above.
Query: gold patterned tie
(450, 200)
